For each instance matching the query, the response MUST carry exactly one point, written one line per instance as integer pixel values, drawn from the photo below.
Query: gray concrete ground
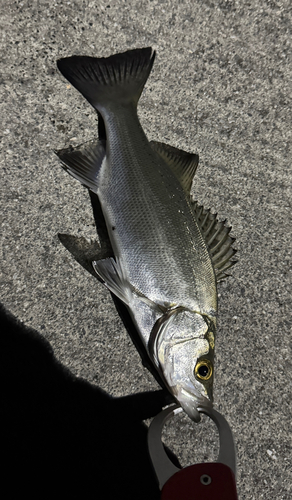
(221, 87)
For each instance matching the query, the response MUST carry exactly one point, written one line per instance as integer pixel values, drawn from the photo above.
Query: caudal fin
(118, 78)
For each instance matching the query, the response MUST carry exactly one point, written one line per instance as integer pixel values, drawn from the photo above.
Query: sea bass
(168, 253)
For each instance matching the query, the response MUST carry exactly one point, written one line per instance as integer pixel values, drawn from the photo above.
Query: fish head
(184, 352)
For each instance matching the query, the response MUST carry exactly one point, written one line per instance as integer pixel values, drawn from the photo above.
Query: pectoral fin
(183, 165)
(111, 275)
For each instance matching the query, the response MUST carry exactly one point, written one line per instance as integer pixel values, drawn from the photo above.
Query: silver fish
(168, 252)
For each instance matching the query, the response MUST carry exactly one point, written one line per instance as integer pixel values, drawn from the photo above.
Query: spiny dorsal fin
(184, 165)
(216, 235)
(84, 162)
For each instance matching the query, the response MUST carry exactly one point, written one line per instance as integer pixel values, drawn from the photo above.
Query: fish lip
(193, 406)
(205, 406)
(205, 409)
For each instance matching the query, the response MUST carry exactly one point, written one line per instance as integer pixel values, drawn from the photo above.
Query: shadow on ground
(63, 437)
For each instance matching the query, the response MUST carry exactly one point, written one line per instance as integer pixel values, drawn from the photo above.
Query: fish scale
(164, 245)
(142, 190)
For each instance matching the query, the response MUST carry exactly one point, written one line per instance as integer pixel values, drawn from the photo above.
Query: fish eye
(204, 369)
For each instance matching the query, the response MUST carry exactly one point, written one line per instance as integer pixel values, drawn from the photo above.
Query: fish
(167, 252)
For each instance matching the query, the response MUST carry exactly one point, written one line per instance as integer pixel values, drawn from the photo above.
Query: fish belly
(153, 232)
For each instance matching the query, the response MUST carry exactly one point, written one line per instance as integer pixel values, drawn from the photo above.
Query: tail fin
(118, 78)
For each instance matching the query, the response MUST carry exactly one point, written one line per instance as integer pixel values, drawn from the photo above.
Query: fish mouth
(192, 405)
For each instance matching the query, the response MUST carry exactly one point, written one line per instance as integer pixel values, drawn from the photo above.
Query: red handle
(207, 481)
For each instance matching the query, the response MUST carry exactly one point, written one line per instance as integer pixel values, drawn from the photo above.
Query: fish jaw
(183, 351)
(190, 406)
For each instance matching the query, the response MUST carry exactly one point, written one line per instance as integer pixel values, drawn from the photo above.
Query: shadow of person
(62, 437)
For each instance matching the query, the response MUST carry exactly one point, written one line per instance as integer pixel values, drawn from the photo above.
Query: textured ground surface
(221, 87)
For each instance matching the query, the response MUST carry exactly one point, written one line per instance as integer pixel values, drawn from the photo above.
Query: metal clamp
(163, 466)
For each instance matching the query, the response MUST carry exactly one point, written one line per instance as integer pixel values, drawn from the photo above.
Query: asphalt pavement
(220, 87)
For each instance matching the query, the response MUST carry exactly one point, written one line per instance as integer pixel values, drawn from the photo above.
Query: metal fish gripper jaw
(204, 481)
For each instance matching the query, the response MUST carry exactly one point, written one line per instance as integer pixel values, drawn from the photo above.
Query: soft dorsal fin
(184, 165)
(216, 235)
(84, 162)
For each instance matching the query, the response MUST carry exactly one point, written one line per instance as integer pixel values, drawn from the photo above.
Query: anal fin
(84, 162)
